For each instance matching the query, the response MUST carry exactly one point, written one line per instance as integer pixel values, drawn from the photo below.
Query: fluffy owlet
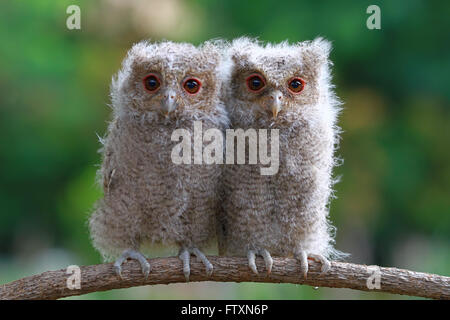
(148, 199)
(284, 87)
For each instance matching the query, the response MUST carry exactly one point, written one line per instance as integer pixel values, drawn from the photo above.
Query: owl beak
(169, 102)
(276, 98)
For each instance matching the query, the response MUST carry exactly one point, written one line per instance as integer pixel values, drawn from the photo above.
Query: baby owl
(285, 87)
(149, 200)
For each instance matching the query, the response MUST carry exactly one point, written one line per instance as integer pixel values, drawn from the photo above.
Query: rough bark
(53, 284)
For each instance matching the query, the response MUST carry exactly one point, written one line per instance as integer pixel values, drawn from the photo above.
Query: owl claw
(118, 271)
(302, 257)
(267, 259)
(132, 254)
(185, 256)
(251, 255)
(208, 265)
(326, 265)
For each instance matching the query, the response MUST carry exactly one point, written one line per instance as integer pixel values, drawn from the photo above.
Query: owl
(286, 90)
(148, 199)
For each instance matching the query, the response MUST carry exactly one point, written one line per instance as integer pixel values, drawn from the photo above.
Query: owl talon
(185, 256)
(208, 265)
(302, 257)
(135, 255)
(118, 271)
(251, 255)
(326, 265)
(267, 259)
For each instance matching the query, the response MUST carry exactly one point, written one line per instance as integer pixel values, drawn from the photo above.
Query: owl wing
(109, 164)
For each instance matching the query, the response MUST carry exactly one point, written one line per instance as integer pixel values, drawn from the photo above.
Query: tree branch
(53, 284)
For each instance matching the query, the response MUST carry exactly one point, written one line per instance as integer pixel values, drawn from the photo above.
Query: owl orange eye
(255, 83)
(192, 85)
(151, 83)
(296, 85)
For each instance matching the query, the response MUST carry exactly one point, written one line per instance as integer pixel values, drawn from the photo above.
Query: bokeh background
(393, 201)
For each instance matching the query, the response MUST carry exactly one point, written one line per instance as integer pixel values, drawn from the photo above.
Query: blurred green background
(393, 201)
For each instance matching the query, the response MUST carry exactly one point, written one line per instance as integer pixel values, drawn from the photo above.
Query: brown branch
(53, 284)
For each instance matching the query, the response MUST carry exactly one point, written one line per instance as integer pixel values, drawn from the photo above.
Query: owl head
(168, 79)
(274, 82)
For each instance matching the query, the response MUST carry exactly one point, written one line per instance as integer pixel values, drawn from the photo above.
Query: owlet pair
(149, 200)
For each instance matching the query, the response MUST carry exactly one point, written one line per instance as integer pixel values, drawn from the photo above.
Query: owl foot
(303, 257)
(132, 254)
(251, 255)
(185, 256)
